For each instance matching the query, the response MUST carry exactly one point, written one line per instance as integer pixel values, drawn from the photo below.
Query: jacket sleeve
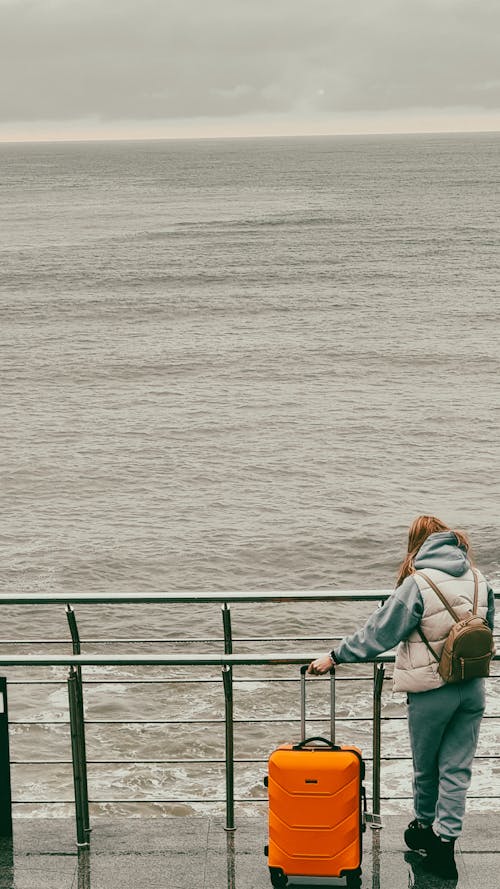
(386, 627)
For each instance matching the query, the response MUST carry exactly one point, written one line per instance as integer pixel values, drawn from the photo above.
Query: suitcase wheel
(278, 877)
(354, 879)
(266, 851)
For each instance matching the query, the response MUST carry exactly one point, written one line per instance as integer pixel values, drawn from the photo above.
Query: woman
(443, 719)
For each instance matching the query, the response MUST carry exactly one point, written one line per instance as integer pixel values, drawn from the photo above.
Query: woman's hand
(321, 665)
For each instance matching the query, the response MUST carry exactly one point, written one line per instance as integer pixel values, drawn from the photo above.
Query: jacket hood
(443, 552)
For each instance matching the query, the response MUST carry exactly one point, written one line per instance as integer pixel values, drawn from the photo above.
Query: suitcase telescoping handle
(303, 672)
(307, 741)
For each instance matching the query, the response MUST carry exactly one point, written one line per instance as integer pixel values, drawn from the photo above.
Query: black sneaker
(441, 860)
(418, 837)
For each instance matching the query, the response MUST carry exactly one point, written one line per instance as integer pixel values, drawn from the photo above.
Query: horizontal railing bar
(167, 660)
(159, 660)
(330, 639)
(59, 682)
(272, 721)
(141, 762)
(406, 798)
(142, 801)
(180, 681)
(203, 800)
(175, 597)
(112, 762)
(200, 598)
(242, 680)
(134, 802)
(29, 722)
(98, 802)
(177, 641)
(123, 641)
(257, 721)
(264, 799)
(127, 681)
(264, 721)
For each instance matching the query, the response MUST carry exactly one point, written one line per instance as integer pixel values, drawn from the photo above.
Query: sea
(236, 364)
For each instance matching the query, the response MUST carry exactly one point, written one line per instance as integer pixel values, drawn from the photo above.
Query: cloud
(154, 60)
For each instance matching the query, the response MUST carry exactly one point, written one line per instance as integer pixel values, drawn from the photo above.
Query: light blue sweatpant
(444, 730)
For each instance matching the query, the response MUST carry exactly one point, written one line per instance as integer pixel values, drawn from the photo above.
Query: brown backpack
(469, 646)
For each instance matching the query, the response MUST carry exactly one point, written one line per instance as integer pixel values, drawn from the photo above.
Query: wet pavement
(184, 853)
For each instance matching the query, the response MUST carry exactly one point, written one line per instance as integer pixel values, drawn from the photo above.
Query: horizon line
(217, 138)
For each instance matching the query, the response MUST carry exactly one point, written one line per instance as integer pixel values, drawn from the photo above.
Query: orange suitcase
(316, 807)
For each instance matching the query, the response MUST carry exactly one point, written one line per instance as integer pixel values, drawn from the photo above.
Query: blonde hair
(420, 530)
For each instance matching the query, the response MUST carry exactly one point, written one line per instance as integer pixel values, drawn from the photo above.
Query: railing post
(5, 786)
(378, 681)
(227, 679)
(81, 836)
(78, 746)
(228, 633)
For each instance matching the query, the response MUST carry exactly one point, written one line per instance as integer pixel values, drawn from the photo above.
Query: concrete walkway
(184, 853)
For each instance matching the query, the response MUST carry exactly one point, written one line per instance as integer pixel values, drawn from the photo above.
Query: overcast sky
(139, 68)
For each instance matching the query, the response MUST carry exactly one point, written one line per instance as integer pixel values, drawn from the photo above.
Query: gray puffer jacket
(414, 603)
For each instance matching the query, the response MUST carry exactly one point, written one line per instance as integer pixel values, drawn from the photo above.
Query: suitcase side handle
(303, 673)
(306, 741)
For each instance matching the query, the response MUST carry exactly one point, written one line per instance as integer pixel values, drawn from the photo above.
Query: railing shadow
(6, 862)
(83, 870)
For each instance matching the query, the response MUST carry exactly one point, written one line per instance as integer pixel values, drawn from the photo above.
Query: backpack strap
(447, 606)
(429, 646)
(442, 597)
(476, 590)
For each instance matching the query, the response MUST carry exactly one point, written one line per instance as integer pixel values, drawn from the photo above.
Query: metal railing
(225, 660)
